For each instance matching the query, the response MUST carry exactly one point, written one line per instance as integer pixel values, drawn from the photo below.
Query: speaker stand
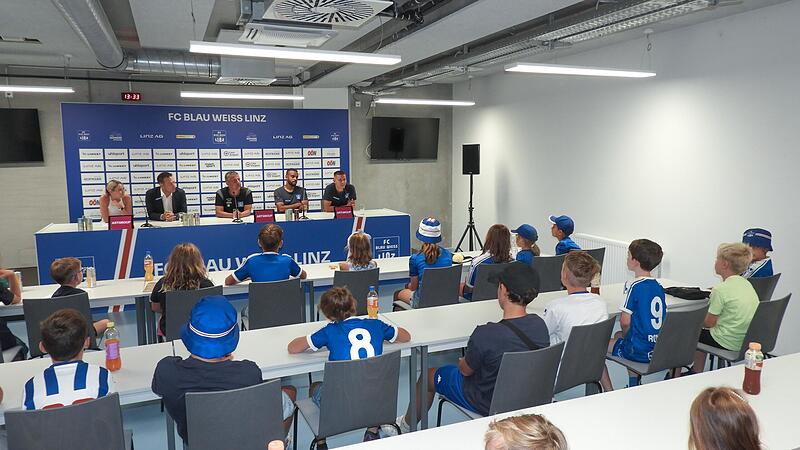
(470, 229)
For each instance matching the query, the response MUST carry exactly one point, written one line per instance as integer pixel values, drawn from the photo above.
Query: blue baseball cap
(563, 223)
(212, 330)
(527, 231)
(429, 231)
(758, 237)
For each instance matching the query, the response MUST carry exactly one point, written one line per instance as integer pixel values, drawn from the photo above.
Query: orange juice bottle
(372, 303)
(113, 358)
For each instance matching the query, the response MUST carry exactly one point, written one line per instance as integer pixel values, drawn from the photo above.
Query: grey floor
(148, 422)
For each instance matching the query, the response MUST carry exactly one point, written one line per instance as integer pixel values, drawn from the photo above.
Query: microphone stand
(146, 223)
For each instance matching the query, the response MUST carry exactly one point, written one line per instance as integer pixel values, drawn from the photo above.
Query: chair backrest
(276, 303)
(585, 355)
(94, 424)
(441, 286)
(526, 379)
(178, 308)
(765, 325)
(549, 268)
(765, 286)
(365, 388)
(677, 340)
(358, 282)
(598, 254)
(37, 310)
(207, 413)
(483, 289)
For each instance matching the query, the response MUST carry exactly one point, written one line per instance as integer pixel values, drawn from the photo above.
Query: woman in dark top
(185, 271)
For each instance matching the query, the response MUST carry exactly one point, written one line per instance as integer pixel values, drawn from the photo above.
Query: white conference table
(132, 381)
(651, 416)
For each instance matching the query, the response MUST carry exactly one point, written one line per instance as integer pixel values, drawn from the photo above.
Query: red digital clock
(131, 96)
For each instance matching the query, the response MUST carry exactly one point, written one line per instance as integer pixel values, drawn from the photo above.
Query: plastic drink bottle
(148, 267)
(753, 362)
(372, 303)
(111, 337)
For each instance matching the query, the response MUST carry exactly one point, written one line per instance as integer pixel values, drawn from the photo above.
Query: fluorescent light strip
(422, 101)
(38, 89)
(239, 95)
(264, 51)
(552, 69)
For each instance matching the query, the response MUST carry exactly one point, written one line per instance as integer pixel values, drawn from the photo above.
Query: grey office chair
(763, 328)
(537, 368)
(208, 413)
(94, 424)
(484, 289)
(178, 306)
(37, 310)
(676, 343)
(441, 286)
(584, 357)
(549, 268)
(765, 286)
(360, 393)
(358, 283)
(276, 303)
(598, 254)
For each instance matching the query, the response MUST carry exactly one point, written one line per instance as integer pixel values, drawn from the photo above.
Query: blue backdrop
(133, 143)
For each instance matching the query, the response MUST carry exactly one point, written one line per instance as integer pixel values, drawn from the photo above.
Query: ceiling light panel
(556, 69)
(37, 89)
(422, 101)
(239, 95)
(260, 51)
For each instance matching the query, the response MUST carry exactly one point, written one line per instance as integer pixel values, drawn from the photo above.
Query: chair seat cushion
(310, 412)
(727, 355)
(11, 353)
(638, 367)
(471, 414)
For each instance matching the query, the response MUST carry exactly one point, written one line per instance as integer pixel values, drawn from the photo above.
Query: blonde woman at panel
(115, 201)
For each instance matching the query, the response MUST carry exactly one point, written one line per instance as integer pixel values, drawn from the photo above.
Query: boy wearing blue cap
(760, 242)
(526, 241)
(211, 336)
(562, 228)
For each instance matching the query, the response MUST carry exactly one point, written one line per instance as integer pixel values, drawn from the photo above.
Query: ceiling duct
(89, 20)
(174, 63)
(294, 35)
(340, 13)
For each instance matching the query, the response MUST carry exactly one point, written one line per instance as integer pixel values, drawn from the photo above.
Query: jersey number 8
(360, 339)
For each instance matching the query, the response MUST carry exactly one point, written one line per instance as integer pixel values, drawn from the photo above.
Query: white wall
(690, 158)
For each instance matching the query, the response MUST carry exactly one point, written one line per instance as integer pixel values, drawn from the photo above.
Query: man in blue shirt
(562, 228)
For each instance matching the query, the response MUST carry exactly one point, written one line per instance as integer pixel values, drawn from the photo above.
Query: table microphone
(146, 223)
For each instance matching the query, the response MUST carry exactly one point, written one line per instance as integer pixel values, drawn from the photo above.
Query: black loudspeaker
(397, 137)
(471, 159)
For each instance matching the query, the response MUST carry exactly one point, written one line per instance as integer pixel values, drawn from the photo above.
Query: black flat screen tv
(20, 137)
(402, 138)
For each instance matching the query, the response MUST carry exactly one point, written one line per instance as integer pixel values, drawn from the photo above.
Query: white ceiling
(168, 24)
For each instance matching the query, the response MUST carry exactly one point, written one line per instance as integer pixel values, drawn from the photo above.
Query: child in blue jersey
(268, 265)
(496, 250)
(760, 242)
(431, 255)
(643, 312)
(70, 380)
(562, 228)
(359, 253)
(347, 337)
(526, 241)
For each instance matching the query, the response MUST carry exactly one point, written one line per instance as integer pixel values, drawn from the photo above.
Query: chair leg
(294, 422)
(310, 381)
(397, 427)
(439, 413)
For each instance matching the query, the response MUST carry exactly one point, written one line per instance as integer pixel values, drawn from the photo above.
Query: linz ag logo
(83, 135)
(219, 136)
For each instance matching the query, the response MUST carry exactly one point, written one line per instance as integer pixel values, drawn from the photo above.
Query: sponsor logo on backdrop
(219, 136)
(83, 135)
(185, 136)
(251, 137)
(335, 136)
(115, 136)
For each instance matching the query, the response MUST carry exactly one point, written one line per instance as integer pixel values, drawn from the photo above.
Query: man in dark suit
(165, 201)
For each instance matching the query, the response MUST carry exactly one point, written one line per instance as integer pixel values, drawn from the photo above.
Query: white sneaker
(389, 430)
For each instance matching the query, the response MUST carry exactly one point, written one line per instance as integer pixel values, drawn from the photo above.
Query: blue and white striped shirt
(67, 383)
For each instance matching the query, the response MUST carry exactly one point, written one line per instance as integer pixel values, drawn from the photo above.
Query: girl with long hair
(496, 250)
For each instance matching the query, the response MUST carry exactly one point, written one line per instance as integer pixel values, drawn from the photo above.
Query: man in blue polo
(562, 228)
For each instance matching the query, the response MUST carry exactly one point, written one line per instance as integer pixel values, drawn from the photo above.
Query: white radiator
(615, 268)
